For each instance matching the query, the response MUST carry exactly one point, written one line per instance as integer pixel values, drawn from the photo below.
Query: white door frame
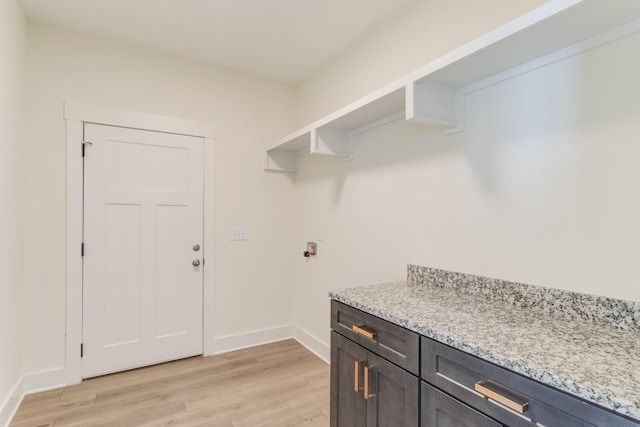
(75, 115)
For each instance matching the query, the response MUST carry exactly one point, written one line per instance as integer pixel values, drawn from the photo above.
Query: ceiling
(284, 40)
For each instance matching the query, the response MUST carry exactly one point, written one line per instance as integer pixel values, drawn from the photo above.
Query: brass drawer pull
(367, 395)
(493, 391)
(356, 375)
(363, 330)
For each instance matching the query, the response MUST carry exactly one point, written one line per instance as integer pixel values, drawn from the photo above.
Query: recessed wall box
(312, 249)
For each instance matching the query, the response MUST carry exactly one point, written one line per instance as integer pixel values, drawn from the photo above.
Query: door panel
(172, 310)
(142, 297)
(124, 172)
(121, 268)
(348, 406)
(396, 402)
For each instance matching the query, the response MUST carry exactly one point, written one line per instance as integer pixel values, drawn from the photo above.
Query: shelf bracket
(431, 103)
(280, 161)
(329, 141)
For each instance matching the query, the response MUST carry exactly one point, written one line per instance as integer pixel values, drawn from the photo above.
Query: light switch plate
(239, 233)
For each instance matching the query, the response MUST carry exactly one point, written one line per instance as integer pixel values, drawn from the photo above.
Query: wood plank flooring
(278, 384)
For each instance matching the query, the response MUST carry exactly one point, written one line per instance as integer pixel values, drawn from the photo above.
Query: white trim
(252, 339)
(137, 120)
(72, 252)
(265, 336)
(11, 403)
(313, 344)
(208, 245)
(28, 384)
(75, 114)
(44, 380)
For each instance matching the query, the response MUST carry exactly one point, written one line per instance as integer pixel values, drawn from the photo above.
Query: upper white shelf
(433, 94)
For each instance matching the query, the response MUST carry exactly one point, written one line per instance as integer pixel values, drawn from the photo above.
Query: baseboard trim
(11, 404)
(44, 380)
(313, 344)
(251, 339)
(265, 336)
(28, 384)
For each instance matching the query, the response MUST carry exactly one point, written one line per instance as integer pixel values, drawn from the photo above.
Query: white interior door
(143, 228)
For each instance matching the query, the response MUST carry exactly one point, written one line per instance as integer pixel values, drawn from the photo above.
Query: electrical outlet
(239, 233)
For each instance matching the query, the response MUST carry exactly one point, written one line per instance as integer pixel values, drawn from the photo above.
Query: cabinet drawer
(440, 410)
(396, 344)
(457, 373)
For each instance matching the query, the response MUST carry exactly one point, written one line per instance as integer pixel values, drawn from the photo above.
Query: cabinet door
(440, 410)
(393, 394)
(348, 406)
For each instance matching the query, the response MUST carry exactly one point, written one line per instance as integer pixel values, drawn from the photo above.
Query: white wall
(252, 278)
(12, 56)
(528, 192)
(541, 187)
(414, 35)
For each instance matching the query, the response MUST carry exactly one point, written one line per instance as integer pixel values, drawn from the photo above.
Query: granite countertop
(595, 361)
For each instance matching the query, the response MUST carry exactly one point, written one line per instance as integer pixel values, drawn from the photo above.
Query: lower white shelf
(434, 94)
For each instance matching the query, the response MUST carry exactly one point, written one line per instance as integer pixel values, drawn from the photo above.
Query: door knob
(196, 247)
(195, 262)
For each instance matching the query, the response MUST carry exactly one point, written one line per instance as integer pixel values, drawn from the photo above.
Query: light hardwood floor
(278, 384)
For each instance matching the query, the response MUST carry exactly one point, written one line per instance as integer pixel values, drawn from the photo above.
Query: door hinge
(82, 249)
(81, 349)
(85, 143)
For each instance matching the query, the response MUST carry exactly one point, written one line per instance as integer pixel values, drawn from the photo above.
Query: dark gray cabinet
(385, 375)
(366, 388)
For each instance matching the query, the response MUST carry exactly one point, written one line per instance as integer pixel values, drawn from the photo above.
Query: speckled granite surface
(615, 312)
(594, 360)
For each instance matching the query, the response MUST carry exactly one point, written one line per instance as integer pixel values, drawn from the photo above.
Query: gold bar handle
(363, 330)
(356, 375)
(494, 391)
(367, 370)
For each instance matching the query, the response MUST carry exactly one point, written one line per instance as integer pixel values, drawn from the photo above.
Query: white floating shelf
(433, 94)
